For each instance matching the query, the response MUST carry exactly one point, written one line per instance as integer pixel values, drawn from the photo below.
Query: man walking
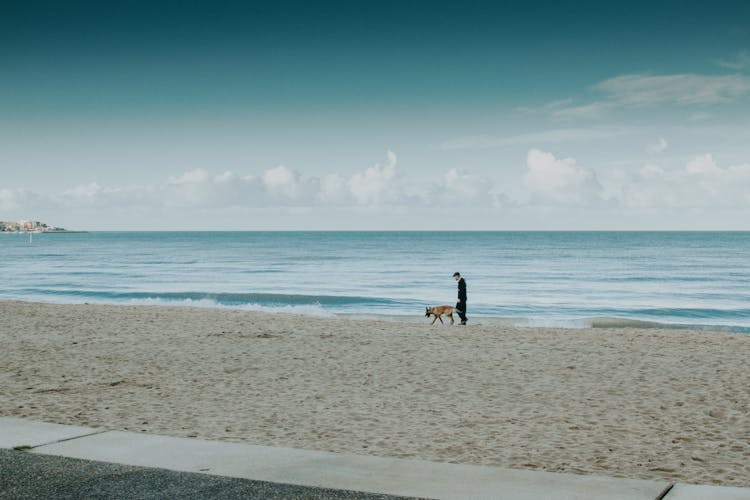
(461, 303)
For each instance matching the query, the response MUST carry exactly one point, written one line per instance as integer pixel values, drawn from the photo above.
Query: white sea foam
(304, 309)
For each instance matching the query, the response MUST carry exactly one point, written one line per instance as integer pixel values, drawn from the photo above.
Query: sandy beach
(638, 403)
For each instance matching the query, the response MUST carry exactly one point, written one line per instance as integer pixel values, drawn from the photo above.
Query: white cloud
(651, 170)
(465, 184)
(568, 109)
(591, 110)
(226, 177)
(189, 189)
(703, 165)
(546, 108)
(658, 147)
(644, 89)
(740, 61)
(334, 189)
(391, 157)
(196, 176)
(84, 192)
(560, 181)
(91, 194)
(376, 184)
(459, 188)
(282, 182)
(640, 89)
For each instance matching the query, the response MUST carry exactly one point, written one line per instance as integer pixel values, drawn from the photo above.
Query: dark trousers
(461, 310)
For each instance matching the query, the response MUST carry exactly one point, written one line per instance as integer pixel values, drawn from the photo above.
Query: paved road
(25, 475)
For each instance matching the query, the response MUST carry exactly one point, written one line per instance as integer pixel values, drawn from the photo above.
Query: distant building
(27, 226)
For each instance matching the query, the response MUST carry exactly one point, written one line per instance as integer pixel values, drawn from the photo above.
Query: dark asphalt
(24, 475)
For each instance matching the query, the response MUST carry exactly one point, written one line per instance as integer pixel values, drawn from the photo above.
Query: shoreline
(597, 322)
(641, 403)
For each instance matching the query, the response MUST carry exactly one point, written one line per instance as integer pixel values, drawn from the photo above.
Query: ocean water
(575, 279)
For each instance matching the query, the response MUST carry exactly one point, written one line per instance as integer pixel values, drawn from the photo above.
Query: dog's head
(426, 312)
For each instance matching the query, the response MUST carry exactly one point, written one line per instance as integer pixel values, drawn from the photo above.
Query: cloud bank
(545, 180)
(374, 187)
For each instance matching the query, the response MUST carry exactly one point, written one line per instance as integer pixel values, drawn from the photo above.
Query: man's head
(456, 276)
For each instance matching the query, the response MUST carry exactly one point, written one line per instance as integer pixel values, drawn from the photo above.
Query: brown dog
(438, 311)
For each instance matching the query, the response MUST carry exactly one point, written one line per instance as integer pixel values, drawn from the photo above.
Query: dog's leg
(441, 319)
(451, 317)
(433, 320)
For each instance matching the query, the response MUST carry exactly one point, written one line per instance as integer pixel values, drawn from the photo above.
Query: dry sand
(654, 404)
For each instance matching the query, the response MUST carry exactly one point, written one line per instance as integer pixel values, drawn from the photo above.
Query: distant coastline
(29, 226)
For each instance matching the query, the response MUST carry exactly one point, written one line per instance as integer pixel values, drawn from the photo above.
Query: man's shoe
(463, 322)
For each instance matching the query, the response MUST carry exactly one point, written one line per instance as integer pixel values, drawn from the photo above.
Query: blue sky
(376, 115)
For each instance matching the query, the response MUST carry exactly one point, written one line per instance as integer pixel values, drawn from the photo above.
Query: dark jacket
(462, 290)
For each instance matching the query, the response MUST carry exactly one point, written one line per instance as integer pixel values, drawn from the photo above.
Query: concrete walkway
(335, 471)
